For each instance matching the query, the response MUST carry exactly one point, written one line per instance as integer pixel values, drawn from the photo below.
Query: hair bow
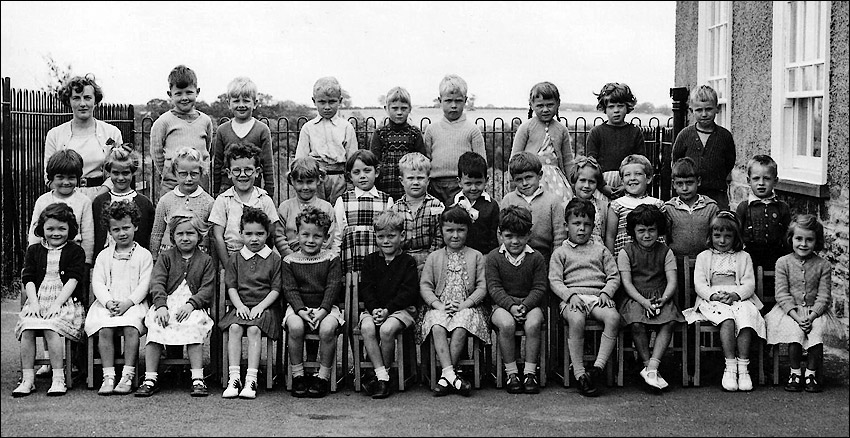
(466, 205)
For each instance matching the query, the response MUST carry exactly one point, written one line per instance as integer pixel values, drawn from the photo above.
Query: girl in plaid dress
(356, 208)
(636, 174)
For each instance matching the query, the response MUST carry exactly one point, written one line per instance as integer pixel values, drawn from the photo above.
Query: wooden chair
(712, 341)
(402, 354)
(520, 338)
(760, 276)
(67, 354)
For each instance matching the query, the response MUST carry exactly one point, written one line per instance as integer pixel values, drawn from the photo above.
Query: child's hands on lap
(243, 312)
(161, 316)
(122, 307)
(53, 309)
(518, 312)
(112, 307)
(576, 304)
(183, 312)
(605, 300)
(380, 316)
(451, 307)
(256, 311)
(318, 316)
(438, 305)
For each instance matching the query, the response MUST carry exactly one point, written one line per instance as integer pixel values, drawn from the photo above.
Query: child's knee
(507, 325)
(389, 330)
(638, 328)
(254, 332)
(295, 327)
(367, 328)
(235, 330)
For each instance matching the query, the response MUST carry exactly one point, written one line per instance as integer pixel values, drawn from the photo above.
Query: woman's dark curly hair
(78, 83)
(61, 212)
(119, 210)
(313, 215)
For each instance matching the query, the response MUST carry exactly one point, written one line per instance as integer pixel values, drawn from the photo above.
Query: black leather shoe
(299, 386)
(586, 386)
(514, 386)
(443, 387)
(368, 385)
(319, 388)
(382, 389)
(465, 387)
(812, 384)
(596, 373)
(530, 385)
(199, 388)
(148, 388)
(794, 383)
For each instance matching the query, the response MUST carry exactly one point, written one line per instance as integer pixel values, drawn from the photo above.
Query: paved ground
(557, 411)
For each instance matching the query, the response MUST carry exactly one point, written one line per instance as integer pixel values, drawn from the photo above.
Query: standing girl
(120, 280)
(648, 273)
(725, 287)
(52, 269)
(636, 173)
(454, 287)
(545, 136)
(182, 289)
(355, 210)
(803, 296)
(586, 177)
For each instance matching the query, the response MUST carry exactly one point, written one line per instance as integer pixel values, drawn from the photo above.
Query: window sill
(801, 188)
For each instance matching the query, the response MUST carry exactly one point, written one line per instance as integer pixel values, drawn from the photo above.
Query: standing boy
(328, 138)
(448, 138)
(710, 146)
(182, 126)
(472, 176)
(421, 211)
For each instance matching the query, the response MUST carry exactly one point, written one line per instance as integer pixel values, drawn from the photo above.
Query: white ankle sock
(449, 374)
(530, 368)
(233, 372)
(810, 372)
(151, 375)
(743, 366)
(511, 368)
(653, 364)
(251, 375)
(108, 371)
(298, 370)
(59, 374)
(324, 372)
(732, 365)
(28, 374)
(197, 373)
(382, 374)
(797, 371)
(128, 371)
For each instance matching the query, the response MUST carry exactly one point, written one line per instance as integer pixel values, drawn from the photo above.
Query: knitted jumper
(587, 269)
(392, 286)
(259, 136)
(169, 133)
(389, 143)
(524, 284)
(687, 230)
(171, 269)
(446, 141)
(170, 203)
(547, 212)
(803, 282)
(714, 160)
(314, 282)
(530, 136)
(610, 144)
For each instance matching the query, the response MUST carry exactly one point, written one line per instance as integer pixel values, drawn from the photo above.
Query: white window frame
(721, 30)
(793, 166)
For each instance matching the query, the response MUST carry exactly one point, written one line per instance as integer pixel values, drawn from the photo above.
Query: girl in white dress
(725, 287)
(182, 289)
(120, 281)
(52, 269)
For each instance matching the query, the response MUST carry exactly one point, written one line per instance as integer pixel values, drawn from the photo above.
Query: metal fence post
(9, 215)
(680, 119)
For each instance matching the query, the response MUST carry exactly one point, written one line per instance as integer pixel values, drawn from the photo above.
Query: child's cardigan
(744, 278)
(433, 280)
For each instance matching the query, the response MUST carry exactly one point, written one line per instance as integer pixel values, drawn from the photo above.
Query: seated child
(648, 273)
(454, 288)
(517, 282)
(252, 278)
(584, 275)
(52, 270)
(394, 140)
(472, 176)
(120, 280)
(725, 286)
(420, 210)
(636, 174)
(304, 176)
(312, 284)
(389, 288)
(803, 314)
(182, 289)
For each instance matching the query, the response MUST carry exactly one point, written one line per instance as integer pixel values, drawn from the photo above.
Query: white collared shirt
(460, 196)
(751, 198)
(247, 253)
(329, 141)
(516, 261)
(536, 193)
(195, 194)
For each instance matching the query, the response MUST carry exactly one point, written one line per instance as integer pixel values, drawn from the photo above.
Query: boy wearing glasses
(242, 165)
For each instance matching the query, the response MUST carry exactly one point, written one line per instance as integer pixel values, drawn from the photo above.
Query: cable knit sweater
(446, 141)
(587, 269)
(312, 281)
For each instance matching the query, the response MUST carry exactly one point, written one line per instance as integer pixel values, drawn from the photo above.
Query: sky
(501, 49)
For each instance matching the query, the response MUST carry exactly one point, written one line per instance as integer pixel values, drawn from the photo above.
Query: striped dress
(358, 237)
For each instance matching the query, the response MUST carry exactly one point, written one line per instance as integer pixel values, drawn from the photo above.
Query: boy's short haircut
(580, 162)
(579, 207)
(65, 162)
(453, 83)
(726, 220)
(397, 94)
(455, 215)
(516, 219)
(364, 155)
(685, 167)
(252, 215)
(78, 84)
(185, 215)
(122, 153)
(237, 150)
(638, 159)
(615, 92)
(646, 214)
(313, 215)
(764, 160)
(182, 77)
(118, 210)
(304, 168)
(524, 162)
(703, 93)
(471, 164)
(187, 153)
(327, 86)
(388, 220)
(62, 212)
(806, 222)
(242, 86)
(414, 161)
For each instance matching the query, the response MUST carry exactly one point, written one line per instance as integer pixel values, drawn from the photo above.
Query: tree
(59, 75)
(381, 100)
(346, 99)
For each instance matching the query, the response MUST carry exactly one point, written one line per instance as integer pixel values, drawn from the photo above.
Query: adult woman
(90, 137)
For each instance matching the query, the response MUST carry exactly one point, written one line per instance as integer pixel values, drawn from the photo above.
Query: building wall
(752, 34)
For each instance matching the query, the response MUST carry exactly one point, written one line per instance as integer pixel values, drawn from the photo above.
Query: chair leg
(697, 354)
(500, 376)
(543, 349)
(270, 355)
(433, 355)
(399, 359)
(761, 361)
(356, 355)
(566, 348)
(69, 358)
(90, 362)
(685, 375)
(620, 357)
(775, 355)
(225, 367)
(477, 345)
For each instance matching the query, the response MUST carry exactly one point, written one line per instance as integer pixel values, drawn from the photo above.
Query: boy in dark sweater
(472, 177)
(389, 288)
(517, 282)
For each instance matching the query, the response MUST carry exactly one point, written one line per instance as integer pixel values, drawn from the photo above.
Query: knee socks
(606, 346)
(576, 356)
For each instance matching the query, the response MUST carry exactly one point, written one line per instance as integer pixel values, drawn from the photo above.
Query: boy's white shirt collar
(516, 261)
(751, 198)
(198, 191)
(460, 196)
(528, 199)
(256, 192)
(333, 119)
(373, 192)
(247, 253)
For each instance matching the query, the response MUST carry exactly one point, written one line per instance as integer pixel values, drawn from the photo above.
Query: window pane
(792, 79)
(801, 122)
(808, 77)
(817, 124)
(792, 32)
(819, 76)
